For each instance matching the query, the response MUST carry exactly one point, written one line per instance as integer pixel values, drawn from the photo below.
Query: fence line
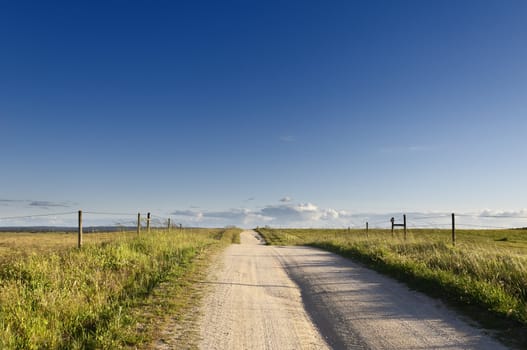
(408, 222)
(82, 215)
(415, 223)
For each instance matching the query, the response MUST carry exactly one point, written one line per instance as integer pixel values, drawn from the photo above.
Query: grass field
(485, 273)
(55, 296)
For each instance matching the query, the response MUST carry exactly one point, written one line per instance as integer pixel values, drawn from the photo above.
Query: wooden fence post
(366, 228)
(392, 220)
(168, 225)
(453, 229)
(148, 222)
(138, 223)
(79, 238)
(404, 223)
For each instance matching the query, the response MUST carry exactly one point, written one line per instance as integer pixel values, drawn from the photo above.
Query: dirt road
(254, 304)
(265, 297)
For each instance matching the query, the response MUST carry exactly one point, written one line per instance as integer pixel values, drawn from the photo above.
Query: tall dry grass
(66, 298)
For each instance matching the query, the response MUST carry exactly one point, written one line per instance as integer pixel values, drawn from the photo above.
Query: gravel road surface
(254, 304)
(265, 297)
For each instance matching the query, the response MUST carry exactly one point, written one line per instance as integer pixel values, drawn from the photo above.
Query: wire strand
(481, 226)
(37, 215)
(159, 217)
(430, 217)
(107, 213)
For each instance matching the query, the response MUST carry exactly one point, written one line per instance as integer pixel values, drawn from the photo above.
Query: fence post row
(392, 220)
(404, 225)
(80, 227)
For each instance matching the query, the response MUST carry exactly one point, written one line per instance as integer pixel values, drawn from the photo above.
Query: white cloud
(286, 199)
(330, 214)
(307, 207)
(488, 213)
(285, 214)
(291, 213)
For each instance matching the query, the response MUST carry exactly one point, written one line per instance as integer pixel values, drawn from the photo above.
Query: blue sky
(298, 113)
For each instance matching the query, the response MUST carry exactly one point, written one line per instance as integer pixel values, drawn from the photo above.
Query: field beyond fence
(485, 273)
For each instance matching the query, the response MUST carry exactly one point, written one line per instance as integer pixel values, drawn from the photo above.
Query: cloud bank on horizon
(307, 214)
(287, 213)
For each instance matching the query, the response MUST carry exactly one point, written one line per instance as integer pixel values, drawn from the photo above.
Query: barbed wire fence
(125, 221)
(120, 222)
(448, 221)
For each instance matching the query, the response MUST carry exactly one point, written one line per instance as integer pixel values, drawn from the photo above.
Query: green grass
(485, 274)
(58, 297)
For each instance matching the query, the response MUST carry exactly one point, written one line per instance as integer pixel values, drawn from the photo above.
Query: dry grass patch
(65, 298)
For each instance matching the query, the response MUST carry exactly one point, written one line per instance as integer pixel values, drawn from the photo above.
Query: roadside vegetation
(54, 296)
(485, 273)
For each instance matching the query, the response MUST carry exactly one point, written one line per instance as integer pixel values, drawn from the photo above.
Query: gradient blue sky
(213, 112)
